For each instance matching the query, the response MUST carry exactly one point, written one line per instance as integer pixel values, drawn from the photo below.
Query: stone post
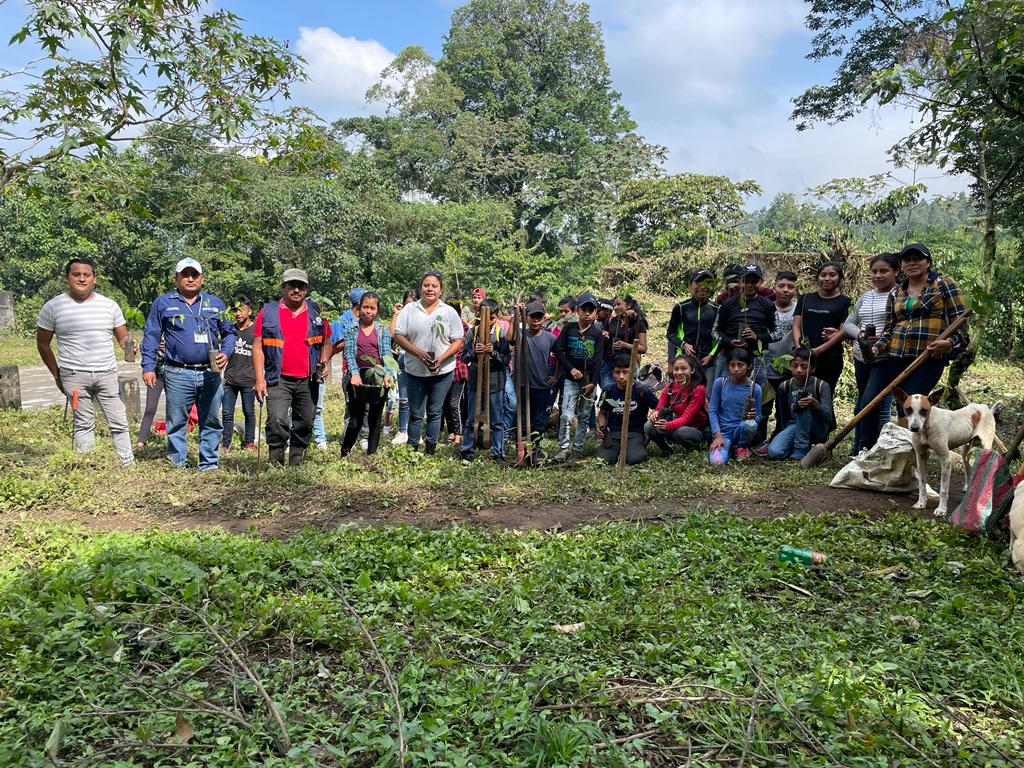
(10, 388)
(128, 388)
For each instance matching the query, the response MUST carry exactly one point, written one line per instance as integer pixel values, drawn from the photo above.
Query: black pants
(451, 417)
(299, 395)
(829, 367)
(636, 451)
(365, 403)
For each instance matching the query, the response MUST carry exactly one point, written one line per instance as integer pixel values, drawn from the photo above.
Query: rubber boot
(295, 456)
(276, 456)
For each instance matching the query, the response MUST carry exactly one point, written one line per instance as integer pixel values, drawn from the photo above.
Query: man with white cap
(198, 339)
(290, 357)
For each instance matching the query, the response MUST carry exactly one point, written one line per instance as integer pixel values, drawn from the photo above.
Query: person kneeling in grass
(681, 417)
(734, 410)
(804, 407)
(610, 415)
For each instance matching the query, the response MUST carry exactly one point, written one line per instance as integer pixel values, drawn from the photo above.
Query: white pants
(103, 386)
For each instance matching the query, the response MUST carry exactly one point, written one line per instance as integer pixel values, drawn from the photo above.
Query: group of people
(753, 350)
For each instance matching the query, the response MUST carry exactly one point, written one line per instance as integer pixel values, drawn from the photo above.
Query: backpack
(988, 496)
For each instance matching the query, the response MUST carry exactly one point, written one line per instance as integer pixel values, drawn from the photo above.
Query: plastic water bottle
(788, 554)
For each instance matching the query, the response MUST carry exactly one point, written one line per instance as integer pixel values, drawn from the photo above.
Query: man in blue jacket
(199, 338)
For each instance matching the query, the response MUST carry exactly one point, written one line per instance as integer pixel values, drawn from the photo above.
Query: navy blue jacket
(178, 322)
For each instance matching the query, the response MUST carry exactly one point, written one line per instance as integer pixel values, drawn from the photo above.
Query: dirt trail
(813, 499)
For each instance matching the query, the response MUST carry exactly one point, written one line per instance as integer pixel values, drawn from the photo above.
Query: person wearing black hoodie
(579, 350)
(692, 324)
(745, 321)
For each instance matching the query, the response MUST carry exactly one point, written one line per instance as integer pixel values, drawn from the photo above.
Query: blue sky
(711, 80)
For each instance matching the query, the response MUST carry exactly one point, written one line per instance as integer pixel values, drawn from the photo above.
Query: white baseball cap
(188, 263)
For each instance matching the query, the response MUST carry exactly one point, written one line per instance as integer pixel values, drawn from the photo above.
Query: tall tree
(961, 65)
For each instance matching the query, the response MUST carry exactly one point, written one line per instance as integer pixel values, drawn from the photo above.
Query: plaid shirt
(349, 333)
(914, 322)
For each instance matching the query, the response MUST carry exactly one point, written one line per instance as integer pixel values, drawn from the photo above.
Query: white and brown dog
(941, 430)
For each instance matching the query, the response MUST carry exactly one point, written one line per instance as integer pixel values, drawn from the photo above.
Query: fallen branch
(286, 742)
(389, 678)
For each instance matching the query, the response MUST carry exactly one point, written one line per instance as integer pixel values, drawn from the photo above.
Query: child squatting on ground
(734, 410)
(610, 415)
(681, 416)
(804, 410)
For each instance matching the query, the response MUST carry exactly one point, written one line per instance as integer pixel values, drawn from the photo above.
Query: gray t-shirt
(83, 330)
(784, 346)
(538, 352)
(430, 331)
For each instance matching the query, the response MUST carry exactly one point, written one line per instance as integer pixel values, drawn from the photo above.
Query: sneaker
(364, 443)
(250, 446)
(466, 462)
(400, 439)
(322, 446)
(561, 456)
(742, 454)
(761, 450)
(500, 461)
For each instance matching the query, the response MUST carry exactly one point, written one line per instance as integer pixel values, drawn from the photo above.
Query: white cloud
(340, 70)
(712, 81)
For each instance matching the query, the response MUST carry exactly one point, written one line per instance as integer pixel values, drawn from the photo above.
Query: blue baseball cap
(586, 298)
(356, 294)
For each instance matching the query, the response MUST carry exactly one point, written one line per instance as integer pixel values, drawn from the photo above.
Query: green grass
(690, 639)
(18, 350)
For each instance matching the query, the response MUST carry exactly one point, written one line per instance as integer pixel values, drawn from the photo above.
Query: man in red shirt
(290, 355)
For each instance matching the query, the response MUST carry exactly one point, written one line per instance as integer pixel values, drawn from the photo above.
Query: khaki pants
(103, 386)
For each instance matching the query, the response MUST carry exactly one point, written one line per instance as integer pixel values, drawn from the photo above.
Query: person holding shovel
(538, 346)
(579, 350)
(290, 356)
(614, 408)
(924, 304)
(83, 322)
(491, 342)
(198, 339)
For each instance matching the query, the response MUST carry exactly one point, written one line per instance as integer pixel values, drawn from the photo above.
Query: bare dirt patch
(810, 499)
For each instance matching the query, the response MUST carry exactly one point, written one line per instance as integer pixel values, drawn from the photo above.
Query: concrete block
(128, 387)
(6, 309)
(10, 388)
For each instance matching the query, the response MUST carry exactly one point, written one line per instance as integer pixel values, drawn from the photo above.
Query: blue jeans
(922, 381)
(319, 431)
(183, 389)
(403, 396)
(571, 400)
(497, 400)
(248, 395)
(742, 435)
(426, 401)
(508, 407)
(872, 378)
(806, 428)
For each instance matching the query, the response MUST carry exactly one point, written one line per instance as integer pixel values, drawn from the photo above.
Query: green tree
(685, 210)
(101, 69)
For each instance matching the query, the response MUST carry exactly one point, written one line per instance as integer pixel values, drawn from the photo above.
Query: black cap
(732, 269)
(586, 298)
(605, 304)
(751, 269)
(701, 274)
(536, 308)
(916, 248)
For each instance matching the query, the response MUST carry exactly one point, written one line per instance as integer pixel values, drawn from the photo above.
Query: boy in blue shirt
(734, 410)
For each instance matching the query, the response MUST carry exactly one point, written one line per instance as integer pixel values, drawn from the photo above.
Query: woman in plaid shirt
(924, 304)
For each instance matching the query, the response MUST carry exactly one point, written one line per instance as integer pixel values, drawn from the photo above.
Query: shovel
(259, 434)
(626, 401)
(517, 376)
(823, 451)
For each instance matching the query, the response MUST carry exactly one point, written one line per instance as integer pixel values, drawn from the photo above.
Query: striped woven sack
(988, 496)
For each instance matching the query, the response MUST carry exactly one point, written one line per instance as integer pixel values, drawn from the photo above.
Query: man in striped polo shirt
(83, 322)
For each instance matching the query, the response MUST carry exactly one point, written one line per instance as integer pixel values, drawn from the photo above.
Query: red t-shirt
(295, 353)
